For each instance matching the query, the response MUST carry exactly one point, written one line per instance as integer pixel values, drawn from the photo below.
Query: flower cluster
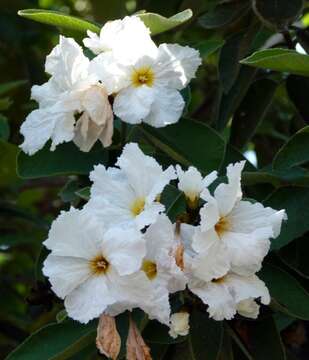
(121, 251)
(130, 76)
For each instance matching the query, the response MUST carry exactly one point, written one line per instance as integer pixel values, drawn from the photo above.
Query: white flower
(231, 294)
(179, 324)
(127, 37)
(92, 268)
(148, 83)
(69, 91)
(160, 273)
(191, 183)
(234, 234)
(128, 195)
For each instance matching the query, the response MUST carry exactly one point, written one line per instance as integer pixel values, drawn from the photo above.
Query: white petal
(144, 173)
(221, 304)
(166, 108)
(149, 215)
(210, 178)
(247, 251)
(67, 63)
(177, 64)
(127, 38)
(90, 299)
(133, 104)
(209, 212)
(65, 273)
(124, 248)
(212, 261)
(247, 287)
(114, 77)
(74, 234)
(190, 182)
(64, 129)
(37, 129)
(228, 194)
(248, 308)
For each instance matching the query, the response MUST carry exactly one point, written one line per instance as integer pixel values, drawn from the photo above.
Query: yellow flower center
(192, 200)
(138, 206)
(150, 269)
(222, 226)
(99, 265)
(142, 76)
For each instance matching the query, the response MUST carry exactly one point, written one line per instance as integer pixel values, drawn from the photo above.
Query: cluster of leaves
(250, 98)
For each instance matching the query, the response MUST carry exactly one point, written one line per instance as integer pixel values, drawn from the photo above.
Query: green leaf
(295, 201)
(59, 162)
(12, 85)
(8, 154)
(56, 341)
(229, 102)
(189, 143)
(174, 202)
(279, 60)
(208, 47)
(286, 291)
(68, 192)
(5, 103)
(4, 128)
(224, 14)
(294, 152)
(266, 340)
(275, 13)
(57, 18)
(84, 193)
(158, 23)
(206, 336)
(252, 111)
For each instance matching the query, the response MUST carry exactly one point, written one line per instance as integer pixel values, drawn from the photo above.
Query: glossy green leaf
(286, 291)
(277, 13)
(252, 111)
(266, 340)
(298, 88)
(208, 47)
(59, 19)
(224, 14)
(282, 60)
(156, 332)
(158, 23)
(174, 202)
(294, 152)
(206, 336)
(295, 201)
(56, 341)
(59, 162)
(189, 143)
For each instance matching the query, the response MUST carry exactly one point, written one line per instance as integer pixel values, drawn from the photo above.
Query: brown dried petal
(108, 340)
(136, 347)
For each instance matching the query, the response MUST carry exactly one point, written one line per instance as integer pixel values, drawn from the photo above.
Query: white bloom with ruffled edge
(192, 183)
(234, 234)
(126, 37)
(128, 194)
(147, 83)
(69, 91)
(231, 294)
(92, 268)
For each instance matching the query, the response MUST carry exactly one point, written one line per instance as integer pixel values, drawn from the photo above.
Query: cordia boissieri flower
(128, 194)
(91, 268)
(234, 234)
(71, 91)
(145, 78)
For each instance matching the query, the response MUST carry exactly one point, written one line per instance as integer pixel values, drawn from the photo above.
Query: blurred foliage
(259, 112)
